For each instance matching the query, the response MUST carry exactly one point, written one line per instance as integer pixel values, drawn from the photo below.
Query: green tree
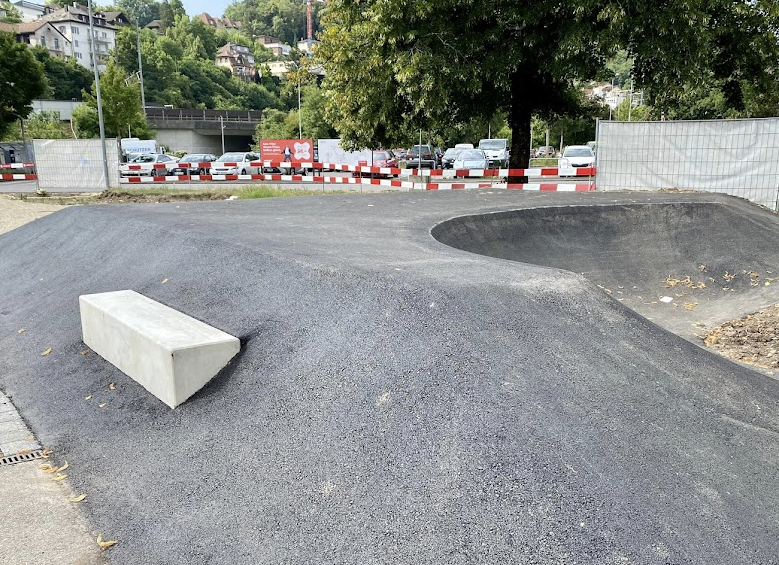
(121, 105)
(12, 15)
(170, 10)
(277, 125)
(22, 80)
(140, 11)
(66, 78)
(393, 64)
(285, 19)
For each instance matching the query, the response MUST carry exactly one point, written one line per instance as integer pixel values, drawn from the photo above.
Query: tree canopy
(66, 78)
(395, 67)
(285, 19)
(22, 78)
(12, 15)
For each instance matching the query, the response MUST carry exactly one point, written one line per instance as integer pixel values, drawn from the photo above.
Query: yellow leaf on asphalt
(24, 452)
(59, 477)
(65, 466)
(22, 330)
(51, 469)
(45, 467)
(102, 405)
(84, 351)
(46, 452)
(104, 544)
(164, 281)
(78, 498)
(31, 438)
(45, 353)
(112, 386)
(88, 397)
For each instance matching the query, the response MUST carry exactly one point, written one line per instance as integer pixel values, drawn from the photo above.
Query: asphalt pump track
(425, 378)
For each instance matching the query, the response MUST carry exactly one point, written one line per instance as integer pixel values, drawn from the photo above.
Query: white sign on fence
(738, 157)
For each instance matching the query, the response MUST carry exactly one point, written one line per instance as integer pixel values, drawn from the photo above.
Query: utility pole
(140, 69)
(222, 127)
(300, 120)
(97, 92)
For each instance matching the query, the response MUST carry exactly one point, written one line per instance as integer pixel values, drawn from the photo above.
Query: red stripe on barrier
(19, 176)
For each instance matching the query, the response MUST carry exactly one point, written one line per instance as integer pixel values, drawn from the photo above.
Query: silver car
(149, 160)
(471, 159)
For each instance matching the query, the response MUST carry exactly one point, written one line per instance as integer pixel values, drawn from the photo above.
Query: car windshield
(471, 155)
(145, 159)
(192, 159)
(381, 156)
(231, 157)
(577, 152)
(452, 153)
(492, 144)
(415, 150)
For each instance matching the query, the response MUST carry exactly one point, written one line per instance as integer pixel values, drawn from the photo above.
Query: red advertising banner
(296, 150)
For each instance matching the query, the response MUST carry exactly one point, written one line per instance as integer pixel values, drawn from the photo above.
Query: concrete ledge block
(168, 353)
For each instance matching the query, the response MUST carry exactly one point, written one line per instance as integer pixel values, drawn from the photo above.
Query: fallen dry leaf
(45, 353)
(112, 386)
(78, 498)
(102, 405)
(46, 452)
(105, 544)
(24, 452)
(60, 477)
(65, 466)
(45, 467)
(22, 330)
(84, 351)
(88, 397)
(164, 281)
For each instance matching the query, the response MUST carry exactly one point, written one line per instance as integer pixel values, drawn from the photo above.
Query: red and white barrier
(17, 176)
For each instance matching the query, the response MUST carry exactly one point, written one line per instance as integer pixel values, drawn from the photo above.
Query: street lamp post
(140, 69)
(97, 92)
(222, 127)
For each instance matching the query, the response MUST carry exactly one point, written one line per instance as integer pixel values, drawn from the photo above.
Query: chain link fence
(737, 157)
(76, 164)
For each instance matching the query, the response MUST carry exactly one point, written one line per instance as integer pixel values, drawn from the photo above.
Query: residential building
(218, 23)
(40, 33)
(238, 59)
(266, 39)
(281, 68)
(304, 48)
(117, 19)
(154, 25)
(30, 11)
(72, 21)
(278, 49)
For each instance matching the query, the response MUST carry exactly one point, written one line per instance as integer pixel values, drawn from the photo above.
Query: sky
(213, 7)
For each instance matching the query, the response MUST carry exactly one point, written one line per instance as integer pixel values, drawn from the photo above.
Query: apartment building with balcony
(40, 33)
(238, 59)
(72, 22)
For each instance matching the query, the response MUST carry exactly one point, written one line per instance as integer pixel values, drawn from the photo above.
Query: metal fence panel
(738, 157)
(76, 163)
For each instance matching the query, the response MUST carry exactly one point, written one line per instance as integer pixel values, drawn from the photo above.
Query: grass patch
(276, 192)
(544, 162)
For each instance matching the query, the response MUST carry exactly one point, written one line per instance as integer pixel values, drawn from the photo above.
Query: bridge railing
(189, 114)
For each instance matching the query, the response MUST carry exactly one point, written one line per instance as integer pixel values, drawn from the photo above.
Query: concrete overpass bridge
(201, 131)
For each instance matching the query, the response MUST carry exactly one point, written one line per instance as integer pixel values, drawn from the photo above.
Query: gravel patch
(753, 339)
(15, 212)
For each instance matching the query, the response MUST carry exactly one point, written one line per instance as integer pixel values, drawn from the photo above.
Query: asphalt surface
(397, 400)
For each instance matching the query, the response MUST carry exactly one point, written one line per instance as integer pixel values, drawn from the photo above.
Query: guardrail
(181, 114)
(437, 174)
(17, 176)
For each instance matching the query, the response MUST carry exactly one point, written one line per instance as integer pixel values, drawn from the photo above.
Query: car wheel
(243, 171)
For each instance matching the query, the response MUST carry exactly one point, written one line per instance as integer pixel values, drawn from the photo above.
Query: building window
(78, 55)
(104, 34)
(56, 44)
(42, 41)
(75, 43)
(74, 30)
(62, 30)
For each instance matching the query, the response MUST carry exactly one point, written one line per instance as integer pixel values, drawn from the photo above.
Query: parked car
(593, 145)
(241, 166)
(464, 146)
(496, 151)
(194, 158)
(545, 151)
(428, 157)
(533, 153)
(447, 162)
(383, 158)
(471, 159)
(400, 154)
(575, 156)
(149, 159)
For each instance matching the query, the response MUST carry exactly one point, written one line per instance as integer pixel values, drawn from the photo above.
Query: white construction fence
(737, 157)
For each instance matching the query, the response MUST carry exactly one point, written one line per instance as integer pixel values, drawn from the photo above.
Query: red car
(382, 158)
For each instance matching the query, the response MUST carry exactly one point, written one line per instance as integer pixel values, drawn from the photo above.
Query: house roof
(75, 13)
(30, 5)
(28, 28)
(154, 24)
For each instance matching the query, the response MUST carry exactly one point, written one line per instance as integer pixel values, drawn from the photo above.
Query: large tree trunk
(519, 120)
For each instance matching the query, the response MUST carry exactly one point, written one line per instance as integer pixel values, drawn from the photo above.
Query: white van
(496, 151)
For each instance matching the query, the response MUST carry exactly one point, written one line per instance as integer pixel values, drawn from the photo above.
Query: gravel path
(15, 212)
(752, 340)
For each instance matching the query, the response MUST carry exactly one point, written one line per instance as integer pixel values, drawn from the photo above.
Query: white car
(574, 157)
(470, 159)
(241, 166)
(147, 161)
